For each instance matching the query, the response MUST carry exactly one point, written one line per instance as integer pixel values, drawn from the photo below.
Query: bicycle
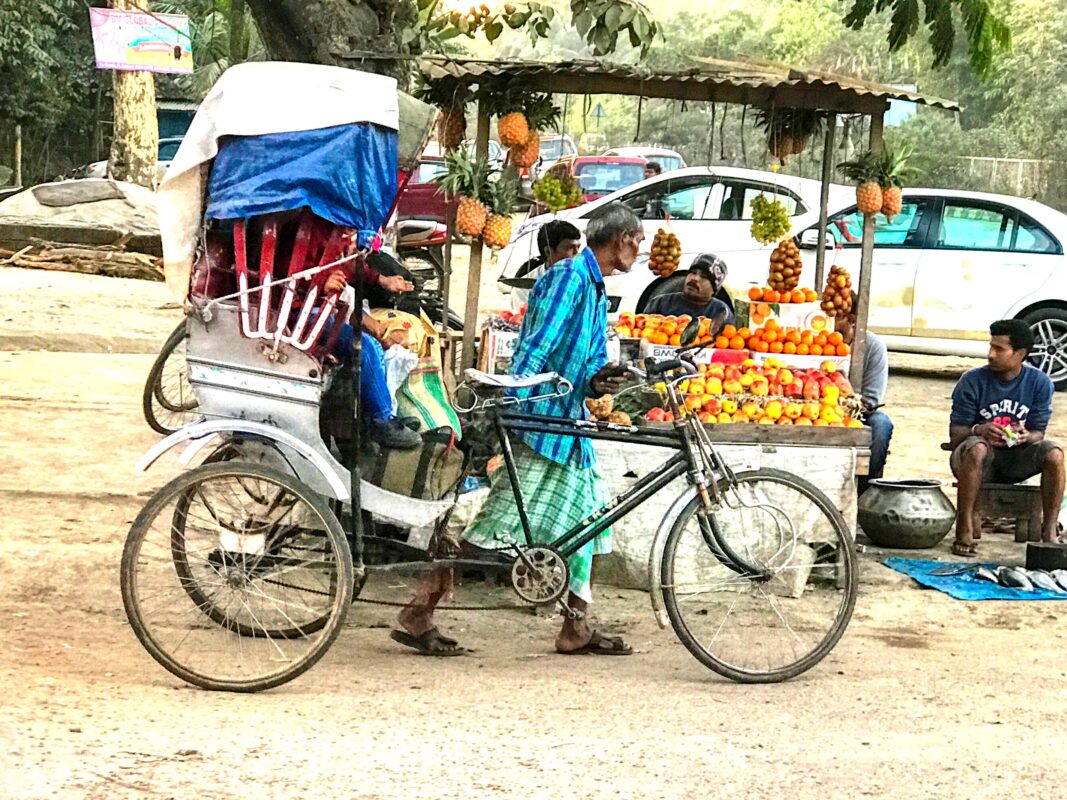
(755, 571)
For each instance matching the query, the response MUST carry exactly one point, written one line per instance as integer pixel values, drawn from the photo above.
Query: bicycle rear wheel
(168, 400)
(780, 623)
(236, 577)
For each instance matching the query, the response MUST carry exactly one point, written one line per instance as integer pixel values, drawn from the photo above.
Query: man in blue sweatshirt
(997, 430)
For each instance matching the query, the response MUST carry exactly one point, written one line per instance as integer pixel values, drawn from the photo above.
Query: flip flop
(430, 643)
(964, 549)
(600, 644)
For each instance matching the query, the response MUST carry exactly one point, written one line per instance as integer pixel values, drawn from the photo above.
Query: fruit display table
(828, 457)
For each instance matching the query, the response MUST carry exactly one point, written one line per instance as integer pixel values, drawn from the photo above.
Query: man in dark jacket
(697, 298)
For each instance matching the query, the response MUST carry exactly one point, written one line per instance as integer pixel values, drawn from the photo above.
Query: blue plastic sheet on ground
(965, 586)
(345, 174)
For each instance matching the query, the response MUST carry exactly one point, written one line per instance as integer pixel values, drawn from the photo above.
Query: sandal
(600, 644)
(430, 643)
(964, 549)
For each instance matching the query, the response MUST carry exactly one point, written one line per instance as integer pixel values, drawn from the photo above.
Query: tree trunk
(135, 141)
(322, 31)
(238, 32)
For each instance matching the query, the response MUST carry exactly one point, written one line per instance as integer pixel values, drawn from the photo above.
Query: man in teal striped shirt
(564, 331)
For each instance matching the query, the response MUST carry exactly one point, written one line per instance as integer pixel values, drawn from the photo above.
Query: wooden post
(18, 156)
(474, 272)
(824, 198)
(855, 372)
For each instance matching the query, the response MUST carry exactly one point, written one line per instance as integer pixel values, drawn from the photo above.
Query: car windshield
(667, 162)
(167, 150)
(428, 170)
(555, 148)
(600, 178)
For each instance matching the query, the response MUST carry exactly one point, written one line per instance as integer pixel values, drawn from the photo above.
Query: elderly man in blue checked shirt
(565, 331)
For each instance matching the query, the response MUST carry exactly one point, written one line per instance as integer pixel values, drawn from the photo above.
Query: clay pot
(905, 514)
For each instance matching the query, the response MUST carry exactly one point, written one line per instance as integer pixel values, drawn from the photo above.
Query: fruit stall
(778, 386)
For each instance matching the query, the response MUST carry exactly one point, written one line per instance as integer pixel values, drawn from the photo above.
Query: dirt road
(924, 697)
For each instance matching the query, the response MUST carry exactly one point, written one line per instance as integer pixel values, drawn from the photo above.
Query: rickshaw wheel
(264, 562)
(168, 400)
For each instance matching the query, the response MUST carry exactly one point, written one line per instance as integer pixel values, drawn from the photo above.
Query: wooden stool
(1018, 501)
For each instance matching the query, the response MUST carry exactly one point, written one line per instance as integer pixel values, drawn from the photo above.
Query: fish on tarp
(986, 574)
(1014, 578)
(1042, 580)
(1060, 576)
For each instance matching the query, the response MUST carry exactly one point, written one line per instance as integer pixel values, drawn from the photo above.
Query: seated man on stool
(997, 431)
(875, 380)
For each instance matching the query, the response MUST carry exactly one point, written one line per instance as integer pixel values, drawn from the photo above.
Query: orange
(737, 343)
(789, 348)
(843, 349)
(744, 333)
(752, 342)
(821, 340)
(755, 318)
(648, 333)
(807, 337)
(772, 325)
(776, 347)
(792, 336)
(729, 331)
(675, 340)
(668, 328)
(798, 295)
(762, 346)
(659, 338)
(722, 343)
(835, 338)
(816, 349)
(755, 293)
(770, 296)
(810, 295)
(802, 349)
(639, 321)
(763, 309)
(819, 323)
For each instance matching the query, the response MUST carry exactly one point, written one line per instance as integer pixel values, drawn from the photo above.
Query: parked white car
(709, 208)
(668, 159)
(952, 262)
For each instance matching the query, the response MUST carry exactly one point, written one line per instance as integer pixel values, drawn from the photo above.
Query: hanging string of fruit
(467, 180)
(666, 253)
(558, 192)
(541, 115)
(786, 264)
(770, 219)
(451, 98)
(837, 296)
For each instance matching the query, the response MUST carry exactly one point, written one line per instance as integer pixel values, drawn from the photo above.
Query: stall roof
(755, 83)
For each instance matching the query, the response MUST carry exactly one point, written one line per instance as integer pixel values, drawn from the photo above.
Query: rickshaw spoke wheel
(168, 399)
(236, 577)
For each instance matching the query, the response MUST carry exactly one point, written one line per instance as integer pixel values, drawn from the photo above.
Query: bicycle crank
(541, 578)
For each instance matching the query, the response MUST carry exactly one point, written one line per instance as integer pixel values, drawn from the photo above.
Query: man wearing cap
(697, 298)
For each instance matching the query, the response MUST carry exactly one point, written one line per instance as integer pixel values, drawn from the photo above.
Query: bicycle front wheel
(763, 588)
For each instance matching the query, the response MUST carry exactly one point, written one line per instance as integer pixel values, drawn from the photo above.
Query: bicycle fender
(199, 434)
(655, 555)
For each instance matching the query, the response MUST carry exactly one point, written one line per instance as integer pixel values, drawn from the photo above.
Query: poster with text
(133, 40)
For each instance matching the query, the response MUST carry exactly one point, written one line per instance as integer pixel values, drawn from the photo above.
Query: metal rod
(474, 272)
(602, 436)
(855, 372)
(824, 197)
(18, 155)
(355, 529)
(513, 476)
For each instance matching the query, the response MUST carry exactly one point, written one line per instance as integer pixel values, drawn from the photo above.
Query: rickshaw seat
(510, 381)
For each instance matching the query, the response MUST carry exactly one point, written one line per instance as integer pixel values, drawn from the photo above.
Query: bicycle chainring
(545, 580)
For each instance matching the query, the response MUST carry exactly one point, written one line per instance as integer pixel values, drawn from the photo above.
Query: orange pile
(659, 329)
(772, 338)
(768, 295)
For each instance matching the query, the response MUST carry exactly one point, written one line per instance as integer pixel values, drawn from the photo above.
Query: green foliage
(867, 167)
(894, 169)
(988, 35)
(500, 195)
(464, 176)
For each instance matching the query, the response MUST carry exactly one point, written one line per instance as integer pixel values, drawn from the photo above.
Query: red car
(601, 175)
(421, 198)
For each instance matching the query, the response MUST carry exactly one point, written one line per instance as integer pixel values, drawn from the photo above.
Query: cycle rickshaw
(237, 574)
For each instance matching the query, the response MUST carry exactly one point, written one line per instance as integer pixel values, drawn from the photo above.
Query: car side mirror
(809, 240)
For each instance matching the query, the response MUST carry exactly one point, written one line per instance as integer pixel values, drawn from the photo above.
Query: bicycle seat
(510, 381)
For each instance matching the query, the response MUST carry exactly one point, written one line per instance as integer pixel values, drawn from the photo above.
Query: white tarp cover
(250, 100)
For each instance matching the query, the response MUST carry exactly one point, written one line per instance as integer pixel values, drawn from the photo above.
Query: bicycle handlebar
(653, 367)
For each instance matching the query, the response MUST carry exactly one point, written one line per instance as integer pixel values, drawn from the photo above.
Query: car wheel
(1049, 355)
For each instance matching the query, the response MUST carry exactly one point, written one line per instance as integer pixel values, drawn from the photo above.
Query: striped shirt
(564, 331)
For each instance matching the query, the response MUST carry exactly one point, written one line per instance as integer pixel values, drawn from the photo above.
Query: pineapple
(466, 180)
(500, 197)
(788, 132)
(893, 169)
(451, 99)
(864, 172)
(513, 129)
(525, 156)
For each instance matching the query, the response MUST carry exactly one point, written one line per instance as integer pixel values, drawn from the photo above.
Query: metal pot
(905, 514)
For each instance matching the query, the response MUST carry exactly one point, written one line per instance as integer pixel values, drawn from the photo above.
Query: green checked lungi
(557, 498)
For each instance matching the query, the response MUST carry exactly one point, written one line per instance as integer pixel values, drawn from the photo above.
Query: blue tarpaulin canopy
(346, 174)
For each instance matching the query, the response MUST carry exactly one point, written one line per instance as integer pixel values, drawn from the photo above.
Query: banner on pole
(133, 40)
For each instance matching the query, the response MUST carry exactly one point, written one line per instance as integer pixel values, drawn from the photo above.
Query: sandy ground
(924, 697)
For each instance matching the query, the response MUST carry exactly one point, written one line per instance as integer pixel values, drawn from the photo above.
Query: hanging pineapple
(893, 170)
(509, 107)
(865, 172)
(500, 197)
(451, 99)
(541, 114)
(788, 131)
(467, 180)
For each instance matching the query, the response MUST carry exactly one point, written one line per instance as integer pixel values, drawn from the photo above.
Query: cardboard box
(497, 349)
(709, 355)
